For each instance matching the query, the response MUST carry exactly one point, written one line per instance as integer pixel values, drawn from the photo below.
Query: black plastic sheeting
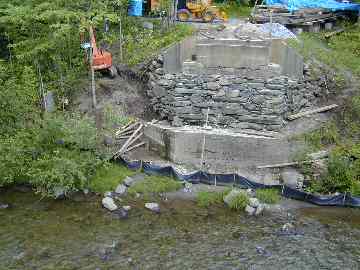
(241, 182)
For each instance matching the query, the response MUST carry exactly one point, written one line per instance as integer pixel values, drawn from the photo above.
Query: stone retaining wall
(229, 100)
(245, 98)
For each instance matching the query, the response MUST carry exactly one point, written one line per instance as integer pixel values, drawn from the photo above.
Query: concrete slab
(223, 148)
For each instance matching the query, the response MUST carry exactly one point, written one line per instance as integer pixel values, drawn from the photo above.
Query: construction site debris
(306, 113)
(132, 135)
(308, 19)
(277, 30)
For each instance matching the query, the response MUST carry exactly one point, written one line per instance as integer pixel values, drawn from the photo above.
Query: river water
(39, 233)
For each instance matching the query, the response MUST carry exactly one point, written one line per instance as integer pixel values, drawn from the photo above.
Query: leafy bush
(208, 198)
(155, 184)
(108, 176)
(49, 155)
(269, 196)
(18, 98)
(69, 170)
(326, 135)
(343, 172)
(239, 201)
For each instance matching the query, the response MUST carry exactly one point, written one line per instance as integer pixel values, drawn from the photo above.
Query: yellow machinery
(201, 9)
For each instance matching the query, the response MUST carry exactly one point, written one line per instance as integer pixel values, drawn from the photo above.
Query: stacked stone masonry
(232, 98)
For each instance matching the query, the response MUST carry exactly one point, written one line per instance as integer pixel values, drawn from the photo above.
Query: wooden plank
(126, 128)
(318, 110)
(134, 146)
(286, 164)
(130, 140)
(279, 165)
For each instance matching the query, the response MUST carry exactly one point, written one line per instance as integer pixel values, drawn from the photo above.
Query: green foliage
(155, 184)
(208, 198)
(339, 52)
(343, 172)
(42, 48)
(144, 43)
(63, 168)
(50, 154)
(239, 201)
(326, 135)
(234, 9)
(113, 119)
(269, 196)
(18, 97)
(108, 176)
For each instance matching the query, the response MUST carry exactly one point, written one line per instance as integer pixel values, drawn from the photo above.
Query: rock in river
(153, 207)
(120, 213)
(254, 202)
(250, 210)
(109, 203)
(121, 189)
(4, 206)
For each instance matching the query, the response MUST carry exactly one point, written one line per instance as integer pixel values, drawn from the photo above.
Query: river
(38, 233)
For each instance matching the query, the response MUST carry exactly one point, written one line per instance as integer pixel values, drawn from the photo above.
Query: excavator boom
(101, 59)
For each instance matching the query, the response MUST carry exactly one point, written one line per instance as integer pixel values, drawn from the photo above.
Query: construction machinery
(201, 10)
(99, 58)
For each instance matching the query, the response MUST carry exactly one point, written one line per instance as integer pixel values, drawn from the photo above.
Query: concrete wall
(222, 149)
(291, 62)
(234, 54)
(175, 55)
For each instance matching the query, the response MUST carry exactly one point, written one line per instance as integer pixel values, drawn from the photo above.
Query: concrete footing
(219, 150)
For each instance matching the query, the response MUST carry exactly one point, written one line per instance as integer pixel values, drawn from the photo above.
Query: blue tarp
(328, 4)
(241, 182)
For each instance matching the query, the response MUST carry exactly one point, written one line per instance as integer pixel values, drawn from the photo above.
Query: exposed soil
(125, 96)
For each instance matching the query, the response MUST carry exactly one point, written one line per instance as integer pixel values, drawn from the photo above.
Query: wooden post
(120, 40)
(41, 89)
(93, 89)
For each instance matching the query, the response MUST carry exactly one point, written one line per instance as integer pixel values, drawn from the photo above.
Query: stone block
(232, 93)
(213, 86)
(275, 86)
(255, 85)
(159, 91)
(191, 116)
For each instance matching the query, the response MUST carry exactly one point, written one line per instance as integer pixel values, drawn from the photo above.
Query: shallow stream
(38, 233)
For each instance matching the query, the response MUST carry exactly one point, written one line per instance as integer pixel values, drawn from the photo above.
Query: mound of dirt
(125, 95)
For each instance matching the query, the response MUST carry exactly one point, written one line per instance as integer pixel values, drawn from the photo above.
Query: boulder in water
(153, 207)
(250, 210)
(120, 189)
(121, 213)
(4, 206)
(109, 204)
(259, 209)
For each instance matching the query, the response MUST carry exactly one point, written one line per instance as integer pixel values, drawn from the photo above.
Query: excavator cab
(101, 59)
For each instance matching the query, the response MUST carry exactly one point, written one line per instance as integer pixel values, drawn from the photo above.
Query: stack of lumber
(306, 16)
(130, 135)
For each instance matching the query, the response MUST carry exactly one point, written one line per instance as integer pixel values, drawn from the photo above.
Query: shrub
(155, 184)
(207, 198)
(270, 196)
(355, 188)
(108, 176)
(49, 155)
(69, 170)
(239, 201)
(339, 176)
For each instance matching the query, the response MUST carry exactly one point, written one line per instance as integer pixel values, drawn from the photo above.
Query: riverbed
(38, 233)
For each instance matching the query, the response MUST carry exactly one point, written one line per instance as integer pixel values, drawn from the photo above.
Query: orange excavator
(101, 59)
